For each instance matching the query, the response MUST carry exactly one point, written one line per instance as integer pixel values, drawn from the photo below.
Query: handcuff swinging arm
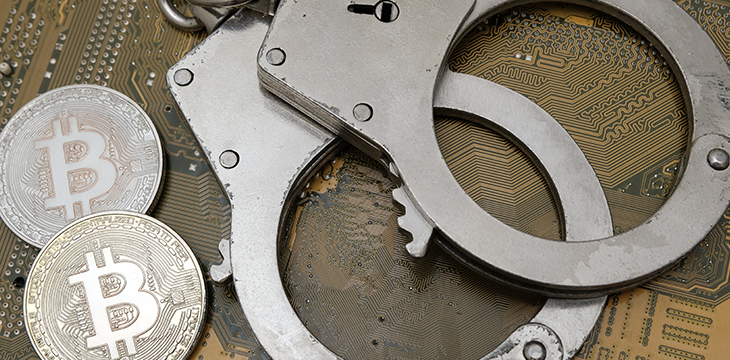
(409, 53)
(281, 158)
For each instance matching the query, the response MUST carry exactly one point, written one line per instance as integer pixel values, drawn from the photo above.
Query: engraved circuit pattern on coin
(74, 151)
(115, 285)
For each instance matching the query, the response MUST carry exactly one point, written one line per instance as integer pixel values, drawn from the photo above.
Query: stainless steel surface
(362, 112)
(577, 191)
(209, 14)
(278, 146)
(228, 159)
(221, 273)
(357, 60)
(527, 335)
(275, 144)
(265, 7)
(572, 320)
(534, 351)
(180, 21)
(718, 159)
(183, 77)
(412, 222)
(561, 327)
(275, 57)
(409, 53)
(220, 3)
(74, 151)
(133, 285)
(212, 17)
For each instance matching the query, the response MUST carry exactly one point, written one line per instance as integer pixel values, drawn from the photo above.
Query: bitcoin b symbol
(79, 172)
(120, 311)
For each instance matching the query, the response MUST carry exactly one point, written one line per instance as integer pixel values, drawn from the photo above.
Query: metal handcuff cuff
(376, 82)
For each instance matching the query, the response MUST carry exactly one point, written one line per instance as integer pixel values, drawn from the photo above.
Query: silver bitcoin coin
(74, 151)
(115, 285)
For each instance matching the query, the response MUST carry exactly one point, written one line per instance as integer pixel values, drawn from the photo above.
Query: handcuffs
(266, 114)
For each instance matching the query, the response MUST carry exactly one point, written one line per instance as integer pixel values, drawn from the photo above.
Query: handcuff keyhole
(361, 9)
(385, 10)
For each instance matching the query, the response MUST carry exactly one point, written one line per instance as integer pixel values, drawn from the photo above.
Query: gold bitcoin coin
(115, 285)
(74, 151)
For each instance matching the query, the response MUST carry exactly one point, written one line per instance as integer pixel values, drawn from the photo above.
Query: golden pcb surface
(344, 266)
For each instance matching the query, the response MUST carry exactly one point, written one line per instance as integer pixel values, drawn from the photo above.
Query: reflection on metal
(322, 84)
(180, 21)
(209, 14)
(280, 157)
(279, 144)
(221, 273)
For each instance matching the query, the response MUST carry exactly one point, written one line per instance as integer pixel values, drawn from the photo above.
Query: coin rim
(196, 262)
(149, 203)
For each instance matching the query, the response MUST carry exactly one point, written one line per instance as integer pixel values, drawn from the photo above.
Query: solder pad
(366, 298)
